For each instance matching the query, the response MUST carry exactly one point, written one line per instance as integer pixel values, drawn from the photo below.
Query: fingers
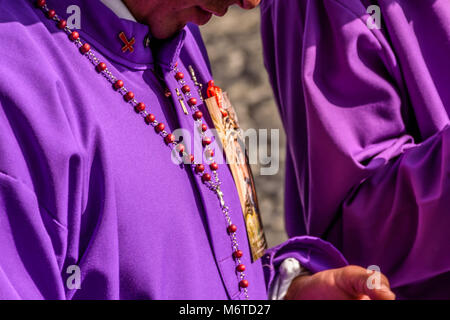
(381, 290)
(362, 283)
(383, 293)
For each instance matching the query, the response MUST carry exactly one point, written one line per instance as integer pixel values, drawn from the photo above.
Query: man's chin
(201, 17)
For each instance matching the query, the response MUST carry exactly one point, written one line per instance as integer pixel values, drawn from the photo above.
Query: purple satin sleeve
(410, 197)
(313, 254)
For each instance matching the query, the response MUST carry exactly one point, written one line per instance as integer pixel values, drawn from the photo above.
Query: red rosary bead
(179, 76)
(150, 118)
(101, 67)
(197, 115)
(214, 166)
(206, 141)
(243, 283)
(192, 102)
(129, 96)
(139, 107)
(51, 14)
(224, 113)
(238, 254)
(160, 127)
(206, 177)
(85, 48)
(199, 168)
(204, 127)
(40, 3)
(232, 228)
(240, 268)
(62, 24)
(185, 89)
(74, 36)
(118, 84)
(170, 138)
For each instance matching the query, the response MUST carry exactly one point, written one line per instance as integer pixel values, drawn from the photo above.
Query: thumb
(382, 293)
(371, 283)
(376, 286)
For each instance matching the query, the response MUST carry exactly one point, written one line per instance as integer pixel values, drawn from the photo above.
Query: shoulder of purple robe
(313, 254)
(36, 123)
(37, 139)
(366, 115)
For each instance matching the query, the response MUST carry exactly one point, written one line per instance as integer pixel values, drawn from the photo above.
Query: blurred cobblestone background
(234, 47)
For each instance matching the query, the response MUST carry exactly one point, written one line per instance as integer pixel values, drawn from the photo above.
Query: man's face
(166, 17)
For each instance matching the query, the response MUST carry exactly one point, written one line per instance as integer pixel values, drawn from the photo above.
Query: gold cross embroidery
(128, 44)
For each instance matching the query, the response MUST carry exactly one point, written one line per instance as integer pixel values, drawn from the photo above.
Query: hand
(347, 283)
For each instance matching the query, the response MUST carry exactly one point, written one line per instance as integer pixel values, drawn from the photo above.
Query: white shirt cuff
(289, 269)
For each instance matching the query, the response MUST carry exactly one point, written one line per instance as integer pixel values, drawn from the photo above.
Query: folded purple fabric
(366, 113)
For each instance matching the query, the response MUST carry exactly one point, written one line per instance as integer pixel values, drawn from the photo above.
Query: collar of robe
(101, 27)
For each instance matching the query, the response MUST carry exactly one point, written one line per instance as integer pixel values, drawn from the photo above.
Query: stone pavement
(234, 47)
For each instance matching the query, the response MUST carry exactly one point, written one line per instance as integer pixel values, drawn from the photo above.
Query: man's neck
(119, 8)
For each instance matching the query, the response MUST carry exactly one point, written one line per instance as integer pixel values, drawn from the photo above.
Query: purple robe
(366, 113)
(85, 181)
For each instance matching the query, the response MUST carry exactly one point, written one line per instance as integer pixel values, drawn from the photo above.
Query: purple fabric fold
(85, 182)
(366, 113)
(313, 254)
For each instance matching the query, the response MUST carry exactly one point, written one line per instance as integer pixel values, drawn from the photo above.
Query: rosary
(210, 180)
